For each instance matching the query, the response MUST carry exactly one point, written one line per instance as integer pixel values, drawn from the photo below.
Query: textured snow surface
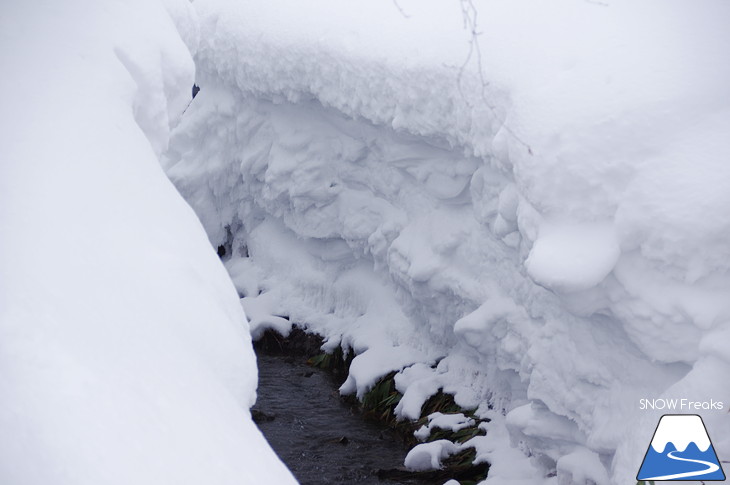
(549, 236)
(124, 354)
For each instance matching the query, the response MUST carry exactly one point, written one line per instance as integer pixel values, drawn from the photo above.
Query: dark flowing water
(321, 439)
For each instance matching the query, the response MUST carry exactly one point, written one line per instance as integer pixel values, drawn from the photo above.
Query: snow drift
(522, 203)
(124, 354)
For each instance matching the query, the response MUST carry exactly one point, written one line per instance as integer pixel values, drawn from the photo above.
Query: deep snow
(125, 357)
(540, 227)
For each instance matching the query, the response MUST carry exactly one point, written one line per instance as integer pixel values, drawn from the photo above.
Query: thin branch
(400, 9)
(469, 15)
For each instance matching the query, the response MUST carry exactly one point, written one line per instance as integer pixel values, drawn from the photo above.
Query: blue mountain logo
(681, 450)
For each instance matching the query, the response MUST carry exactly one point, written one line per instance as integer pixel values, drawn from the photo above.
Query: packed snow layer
(124, 354)
(532, 196)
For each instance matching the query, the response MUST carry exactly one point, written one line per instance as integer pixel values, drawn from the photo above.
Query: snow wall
(125, 357)
(523, 203)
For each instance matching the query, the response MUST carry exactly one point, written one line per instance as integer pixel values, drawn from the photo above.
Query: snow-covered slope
(124, 354)
(545, 215)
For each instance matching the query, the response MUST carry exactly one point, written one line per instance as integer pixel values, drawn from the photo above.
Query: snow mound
(428, 456)
(369, 366)
(437, 420)
(570, 259)
(261, 314)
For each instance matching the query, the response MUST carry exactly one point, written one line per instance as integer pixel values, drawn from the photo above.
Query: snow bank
(543, 220)
(124, 354)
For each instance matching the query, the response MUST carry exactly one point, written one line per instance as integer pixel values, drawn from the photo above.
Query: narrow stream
(319, 437)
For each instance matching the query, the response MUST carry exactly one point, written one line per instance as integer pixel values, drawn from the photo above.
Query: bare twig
(400, 9)
(469, 15)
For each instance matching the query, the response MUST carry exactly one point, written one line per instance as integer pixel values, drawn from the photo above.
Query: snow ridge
(375, 194)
